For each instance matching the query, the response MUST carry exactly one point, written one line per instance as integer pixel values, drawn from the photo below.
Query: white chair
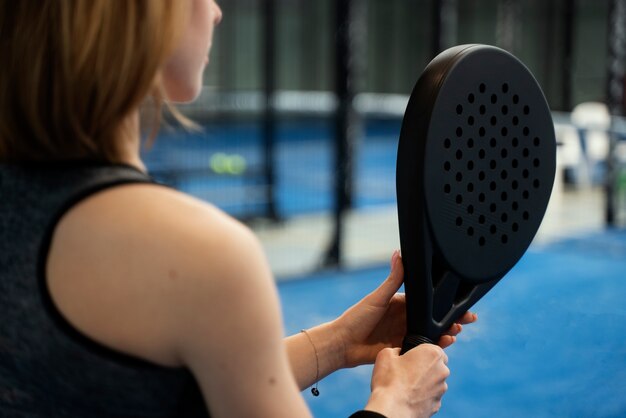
(592, 121)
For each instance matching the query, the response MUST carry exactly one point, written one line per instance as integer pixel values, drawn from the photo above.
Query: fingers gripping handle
(412, 341)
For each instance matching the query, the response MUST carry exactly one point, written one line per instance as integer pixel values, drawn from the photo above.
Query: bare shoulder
(145, 257)
(162, 276)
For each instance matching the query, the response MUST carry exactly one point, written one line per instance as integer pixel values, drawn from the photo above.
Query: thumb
(382, 295)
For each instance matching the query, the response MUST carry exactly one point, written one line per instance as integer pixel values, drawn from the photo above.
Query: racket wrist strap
(412, 341)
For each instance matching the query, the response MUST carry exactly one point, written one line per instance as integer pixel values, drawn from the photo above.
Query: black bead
(315, 392)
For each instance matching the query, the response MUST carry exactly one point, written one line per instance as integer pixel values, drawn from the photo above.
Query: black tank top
(47, 367)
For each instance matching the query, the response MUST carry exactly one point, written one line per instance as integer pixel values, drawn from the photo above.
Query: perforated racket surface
(475, 168)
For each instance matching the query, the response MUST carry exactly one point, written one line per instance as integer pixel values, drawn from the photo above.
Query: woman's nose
(217, 13)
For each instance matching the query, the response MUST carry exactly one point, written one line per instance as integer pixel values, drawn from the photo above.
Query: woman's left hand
(379, 321)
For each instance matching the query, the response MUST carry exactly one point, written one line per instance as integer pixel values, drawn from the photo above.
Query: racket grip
(412, 341)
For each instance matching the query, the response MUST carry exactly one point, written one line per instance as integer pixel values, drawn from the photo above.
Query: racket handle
(412, 341)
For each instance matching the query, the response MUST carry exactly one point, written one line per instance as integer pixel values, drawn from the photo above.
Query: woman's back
(48, 367)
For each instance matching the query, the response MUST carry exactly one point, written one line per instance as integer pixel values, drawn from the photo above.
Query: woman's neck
(130, 142)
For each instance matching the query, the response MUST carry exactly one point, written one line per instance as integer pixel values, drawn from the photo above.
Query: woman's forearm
(308, 367)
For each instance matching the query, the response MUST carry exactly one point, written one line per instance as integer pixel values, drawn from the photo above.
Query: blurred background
(300, 116)
(303, 103)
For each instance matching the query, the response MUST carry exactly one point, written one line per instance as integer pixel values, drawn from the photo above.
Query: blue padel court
(550, 340)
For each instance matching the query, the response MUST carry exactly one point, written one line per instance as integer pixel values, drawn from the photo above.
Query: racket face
(489, 163)
(475, 168)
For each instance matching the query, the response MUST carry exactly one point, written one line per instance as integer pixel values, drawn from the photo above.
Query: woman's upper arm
(231, 333)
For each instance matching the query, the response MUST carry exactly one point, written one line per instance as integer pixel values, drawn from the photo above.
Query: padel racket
(475, 168)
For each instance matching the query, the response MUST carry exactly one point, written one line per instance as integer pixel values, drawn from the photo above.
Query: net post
(437, 18)
(269, 117)
(444, 20)
(616, 39)
(567, 58)
(345, 125)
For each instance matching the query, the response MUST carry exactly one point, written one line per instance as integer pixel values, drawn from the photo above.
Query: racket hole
(493, 142)
(481, 176)
(493, 208)
(481, 198)
(492, 164)
(447, 143)
(515, 120)
(526, 110)
(482, 87)
(515, 99)
(514, 185)
(459, 221)
(447, 166)
(536, 183)
(459, 154)
(526, 131)
(536, 141)
(459, 109)
(470, 187)
(494, 121)
(447, 188)
(481, 154)
(504, 196)
(471, 98)
(505, 110)
(515, 142)
(514, 163)
(482, 109)
(536, 162)
(493, 229)
(470, 121)
(470, 143)
(504, 131)
(459, 131)
(504, 153)
(504, 217)
(503, 174)
(494, 99)
(526, 215)
(470, 231)
(515, 227)
(525, 194)
(481, 131)
(470, 209)
(481, 219)
(505, 88)
(525, 173)
(470, 165)
(515, 206)
(459, 177)
(481, 241)
(505, 239)
(526, 152)
(459, 199)
(492, 186)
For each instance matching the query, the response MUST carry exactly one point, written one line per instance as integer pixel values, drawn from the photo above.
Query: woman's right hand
(410, 385)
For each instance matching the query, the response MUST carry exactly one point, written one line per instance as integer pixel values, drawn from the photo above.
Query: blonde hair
(74, 70)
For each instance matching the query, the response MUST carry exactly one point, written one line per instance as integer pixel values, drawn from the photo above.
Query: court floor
(550, 339)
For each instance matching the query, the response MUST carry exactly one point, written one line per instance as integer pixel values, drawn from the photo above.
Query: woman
(123, 298)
